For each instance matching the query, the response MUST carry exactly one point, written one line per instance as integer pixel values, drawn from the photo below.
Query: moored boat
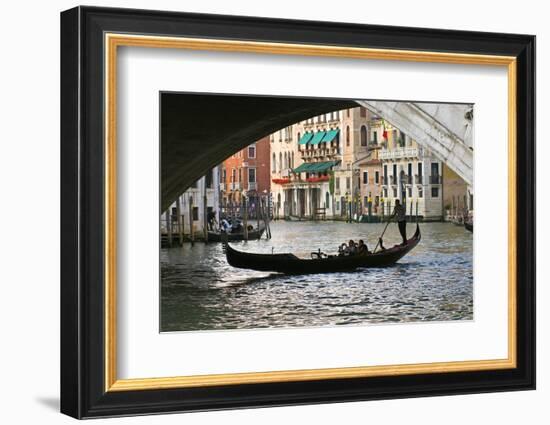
(319, 263)
(253, 234)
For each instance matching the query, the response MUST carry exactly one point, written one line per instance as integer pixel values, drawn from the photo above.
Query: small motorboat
(319, 262)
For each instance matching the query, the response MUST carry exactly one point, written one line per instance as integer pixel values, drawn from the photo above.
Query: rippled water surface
(434, 282)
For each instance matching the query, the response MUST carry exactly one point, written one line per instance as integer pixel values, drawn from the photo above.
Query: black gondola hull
(219, 236)
(290, 264)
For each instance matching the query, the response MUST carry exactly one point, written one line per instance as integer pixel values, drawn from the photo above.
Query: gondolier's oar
(378, 243)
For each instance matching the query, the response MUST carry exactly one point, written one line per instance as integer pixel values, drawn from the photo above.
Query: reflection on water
(434, 282)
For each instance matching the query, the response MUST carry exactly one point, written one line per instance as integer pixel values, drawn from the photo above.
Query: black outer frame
(82, 211)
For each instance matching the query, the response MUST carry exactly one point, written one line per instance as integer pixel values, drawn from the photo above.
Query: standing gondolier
(399, 212)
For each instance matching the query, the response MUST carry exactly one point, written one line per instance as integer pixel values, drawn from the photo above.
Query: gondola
(319, 263)
(469, 226)
(253, 234)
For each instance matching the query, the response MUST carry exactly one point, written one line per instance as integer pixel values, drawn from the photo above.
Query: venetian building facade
(352, 164)
(192, 207)
(246, 173)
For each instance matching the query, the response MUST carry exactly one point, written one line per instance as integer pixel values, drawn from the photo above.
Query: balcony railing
(393, 179)
(252, 186)
(236, 186)
(408, 179)
(222, 187)
(398, 153)
(418, 179)
(384, 180)
(435, 179)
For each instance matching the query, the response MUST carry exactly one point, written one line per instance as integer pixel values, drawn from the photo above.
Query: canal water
(434, 282)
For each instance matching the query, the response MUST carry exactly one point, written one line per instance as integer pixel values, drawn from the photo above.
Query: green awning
(321, 167)
(305, 138)
(315, 167)
(317, 138)
(303, 167)
(330, 135)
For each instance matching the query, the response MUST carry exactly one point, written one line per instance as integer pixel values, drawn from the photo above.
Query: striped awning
(330, 135)
(318, 138)
(305, 138)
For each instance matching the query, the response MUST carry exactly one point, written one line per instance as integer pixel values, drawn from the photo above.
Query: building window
(337, 205)
(233, 175)
(375, 137)
(327, 200)
(251, 175)
(348, 183)
(292, 160)
(365, 177)
(252, 151)
(240, 175)
(337, 183)
(395, 192)
(347, 113)
(274, 163)
(280, 161)
(363, 136)
(362, 112)
(402, 138)
(385, 192)
(435, 192)
(209, 179)
(195, 213)
(224, 176)
(420, 192)
(347, 136)
(410, 192)
(376, 177)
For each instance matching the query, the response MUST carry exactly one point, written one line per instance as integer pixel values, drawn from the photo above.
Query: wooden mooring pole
(180, 221)
(245, 218)
(205, 217)
(191, 229)
(169, 226)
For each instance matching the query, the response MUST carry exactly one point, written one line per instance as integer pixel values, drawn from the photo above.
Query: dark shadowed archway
(198, 131)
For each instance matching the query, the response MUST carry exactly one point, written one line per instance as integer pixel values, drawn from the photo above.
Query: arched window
(286, 160)
(363, 135)
(347, 135)
(280, 161)
(274, 163)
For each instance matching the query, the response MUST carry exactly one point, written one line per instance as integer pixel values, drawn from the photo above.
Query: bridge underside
(199, 131)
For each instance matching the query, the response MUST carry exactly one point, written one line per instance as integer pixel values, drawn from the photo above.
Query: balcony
(222, 187)
(393, 180)
(236, 186)
(435, 179)
(418, 179)
(408, 179)
(384, 180)
(398, 153)
(252, 186)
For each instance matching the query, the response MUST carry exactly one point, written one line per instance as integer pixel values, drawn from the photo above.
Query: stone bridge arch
(199, 131)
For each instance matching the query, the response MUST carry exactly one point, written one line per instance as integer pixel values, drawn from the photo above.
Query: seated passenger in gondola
(362, 248)
(343, 250)
(352, 247)
(225, 226)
